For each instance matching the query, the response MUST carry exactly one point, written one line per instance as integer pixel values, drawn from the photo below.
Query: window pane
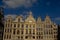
(18, 19)
(26, 37)
(14, 31)
(21, 37)
(29, 31)
(21, 32)
(33, 37)
(18, 32)
(14, 25)
(10, 37)
(26, 31)
(26, 25)
(34, 26)
(22, 26)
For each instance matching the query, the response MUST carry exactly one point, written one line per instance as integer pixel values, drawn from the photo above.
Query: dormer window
(18, 19)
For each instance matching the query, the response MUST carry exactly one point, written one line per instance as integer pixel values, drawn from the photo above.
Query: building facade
(29, 28)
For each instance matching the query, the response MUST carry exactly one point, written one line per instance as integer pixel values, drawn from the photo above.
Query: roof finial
(30, 13)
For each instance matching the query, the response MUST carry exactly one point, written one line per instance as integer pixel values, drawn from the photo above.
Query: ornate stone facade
(29, 28)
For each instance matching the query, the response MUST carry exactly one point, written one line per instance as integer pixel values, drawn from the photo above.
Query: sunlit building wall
(29, 28)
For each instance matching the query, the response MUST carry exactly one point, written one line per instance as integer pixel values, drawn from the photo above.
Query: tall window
(21, 37)
(14, 25)
(9, 36)
(37, 37)
(26, 31)
(8, 30)
(14, 31)
(22, 26)
(34, 26)
(18, 19)
(18, 37)
(29, 31)
(33, 31)
(30, 25)
(37, 33)
(46, 32)
(21, 32)
(18, 32)
(4, 36)
(26, 25)
(48, 26)
(50, 31)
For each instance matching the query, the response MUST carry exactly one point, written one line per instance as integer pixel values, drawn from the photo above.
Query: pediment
(30, 18)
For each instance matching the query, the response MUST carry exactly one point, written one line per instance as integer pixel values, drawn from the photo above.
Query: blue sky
(38, 7)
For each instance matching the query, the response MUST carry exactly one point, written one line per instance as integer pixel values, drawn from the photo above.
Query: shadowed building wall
(1, 23)
(58, 32)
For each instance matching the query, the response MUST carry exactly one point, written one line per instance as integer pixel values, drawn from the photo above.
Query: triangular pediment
(30, 18)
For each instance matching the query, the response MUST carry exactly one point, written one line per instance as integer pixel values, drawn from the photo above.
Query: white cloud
(19, 3)
(58, 18)
(13, 16)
